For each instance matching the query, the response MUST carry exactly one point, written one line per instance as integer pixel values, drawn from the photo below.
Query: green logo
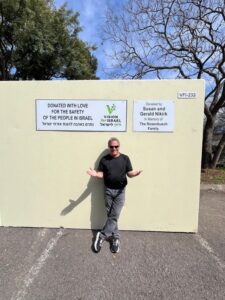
(111, 109)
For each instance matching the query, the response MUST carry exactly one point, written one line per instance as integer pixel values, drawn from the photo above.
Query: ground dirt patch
(214, 176)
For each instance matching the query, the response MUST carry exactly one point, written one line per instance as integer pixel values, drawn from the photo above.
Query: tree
(38, 41)
(220, 124)
(219, 131)
(173, 39)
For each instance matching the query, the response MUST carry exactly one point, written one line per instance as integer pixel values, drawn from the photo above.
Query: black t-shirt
(115, 170)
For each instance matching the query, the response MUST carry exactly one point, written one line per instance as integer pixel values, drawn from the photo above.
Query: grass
(213, 176)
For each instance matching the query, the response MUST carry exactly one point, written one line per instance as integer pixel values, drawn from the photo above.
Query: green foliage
(38, 41)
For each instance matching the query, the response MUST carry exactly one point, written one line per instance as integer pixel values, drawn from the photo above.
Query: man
(113, 168)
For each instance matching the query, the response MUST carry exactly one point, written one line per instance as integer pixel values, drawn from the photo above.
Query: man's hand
(134, 173)
(94, 173)
(138, 172)
(91, 172)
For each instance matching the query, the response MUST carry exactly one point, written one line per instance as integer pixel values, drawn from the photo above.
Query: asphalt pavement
(53, 264)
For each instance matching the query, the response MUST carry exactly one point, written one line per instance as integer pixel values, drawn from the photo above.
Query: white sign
(154, 116)
(81, 115)
(186, 95)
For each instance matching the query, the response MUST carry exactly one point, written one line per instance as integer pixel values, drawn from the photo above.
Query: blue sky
(92, 13)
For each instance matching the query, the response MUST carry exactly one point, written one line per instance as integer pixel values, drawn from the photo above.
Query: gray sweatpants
(114, 201)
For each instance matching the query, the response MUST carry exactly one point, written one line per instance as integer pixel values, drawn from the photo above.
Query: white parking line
(35, 269)
(206, 245)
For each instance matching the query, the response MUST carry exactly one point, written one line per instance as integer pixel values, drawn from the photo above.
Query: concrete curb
(213, 187)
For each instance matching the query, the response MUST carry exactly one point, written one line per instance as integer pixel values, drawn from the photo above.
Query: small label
(186, 95)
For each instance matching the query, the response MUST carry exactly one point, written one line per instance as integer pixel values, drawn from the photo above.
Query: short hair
(113, 139)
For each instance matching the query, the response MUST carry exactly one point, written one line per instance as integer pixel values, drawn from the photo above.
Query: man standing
(113, 168)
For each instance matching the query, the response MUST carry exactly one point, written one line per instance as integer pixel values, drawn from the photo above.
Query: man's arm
(133, 173)
(95, 173)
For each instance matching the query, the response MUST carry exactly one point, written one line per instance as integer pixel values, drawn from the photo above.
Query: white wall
(43, 180)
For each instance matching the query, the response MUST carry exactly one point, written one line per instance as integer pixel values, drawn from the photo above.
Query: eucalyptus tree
(39, 41)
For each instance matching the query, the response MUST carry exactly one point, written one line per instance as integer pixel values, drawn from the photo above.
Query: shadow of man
(95, 188)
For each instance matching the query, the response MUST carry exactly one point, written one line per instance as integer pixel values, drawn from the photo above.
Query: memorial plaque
(154, 116)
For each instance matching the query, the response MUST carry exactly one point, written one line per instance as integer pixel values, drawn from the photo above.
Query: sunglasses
(111, 147)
